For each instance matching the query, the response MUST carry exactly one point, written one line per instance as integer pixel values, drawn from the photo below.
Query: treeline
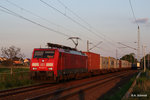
(13, 56)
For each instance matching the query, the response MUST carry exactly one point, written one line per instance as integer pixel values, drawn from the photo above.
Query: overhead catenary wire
(76, 22)
(74, 13)
(44, 19)
(85, 21)
(65, 15)
(90, 26)
(24, 10)
(36, 23)
(36, 15)
(138, 48)
(133, 13)
(28, 11)
(30, 20)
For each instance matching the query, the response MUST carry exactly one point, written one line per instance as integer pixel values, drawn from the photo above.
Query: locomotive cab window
(38, 54)
(44, 54)
(48, 54)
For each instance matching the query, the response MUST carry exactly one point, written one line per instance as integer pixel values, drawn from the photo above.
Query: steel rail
(43, 96)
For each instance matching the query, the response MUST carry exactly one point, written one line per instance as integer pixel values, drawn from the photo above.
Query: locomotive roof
(63, 50)
(52, 45)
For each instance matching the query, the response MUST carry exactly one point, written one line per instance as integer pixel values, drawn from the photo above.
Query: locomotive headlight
(34, 68)
(35, 64)
(49, 64)
(50, 68)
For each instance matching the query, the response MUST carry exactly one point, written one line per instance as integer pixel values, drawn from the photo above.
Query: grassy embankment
(19, 77)
(118, 93)
(141, 90)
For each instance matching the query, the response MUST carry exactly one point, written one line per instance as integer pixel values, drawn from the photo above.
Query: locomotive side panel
(71, 63)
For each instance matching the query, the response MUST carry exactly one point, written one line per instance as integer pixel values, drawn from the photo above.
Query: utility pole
(116, 54)
(138, 50)
(88, 48)
(144, 47)
(75, 42)
(88, 45)
(148, 60)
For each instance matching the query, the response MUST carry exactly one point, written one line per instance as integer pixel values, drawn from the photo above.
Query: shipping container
(124, 63)
(115, 63)
(103, 63)
(111, 62)
(118, 64)
(93, 61)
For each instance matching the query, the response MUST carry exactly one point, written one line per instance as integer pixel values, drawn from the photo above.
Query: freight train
(59, 62)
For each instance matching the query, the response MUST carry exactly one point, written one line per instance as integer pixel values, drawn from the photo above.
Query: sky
(30, 24)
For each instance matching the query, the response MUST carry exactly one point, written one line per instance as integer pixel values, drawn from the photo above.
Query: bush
(7, 62)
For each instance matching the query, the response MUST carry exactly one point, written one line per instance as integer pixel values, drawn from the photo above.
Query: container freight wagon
(115, 63)
(129, 65)
(93, 63)
(111, 64)
(104, 64)
(124, 64)
(59, 62)
(118, 65)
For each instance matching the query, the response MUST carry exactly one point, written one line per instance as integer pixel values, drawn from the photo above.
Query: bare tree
(11, 52)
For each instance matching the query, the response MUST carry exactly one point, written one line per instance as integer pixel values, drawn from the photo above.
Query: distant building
(27, 62)
(2, 59)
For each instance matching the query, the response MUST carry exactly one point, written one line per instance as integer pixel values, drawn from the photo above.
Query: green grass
(20, 77)
(21, 69)
(4, 70)
(16, 80)
(142, 86)
(118, 94)
(8, 70)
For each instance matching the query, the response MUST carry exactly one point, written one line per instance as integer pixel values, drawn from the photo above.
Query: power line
(90, 26)
(65, 15)
(74, 13)
(127, 46)
(75, 21)
(138, 48)
(133, 12)
(84, 21)
(28, 11)
(81, 18)
(34, 14)
(14, 14)
(17, 15)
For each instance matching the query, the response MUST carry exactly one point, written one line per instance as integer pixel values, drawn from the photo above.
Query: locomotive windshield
(44, 54)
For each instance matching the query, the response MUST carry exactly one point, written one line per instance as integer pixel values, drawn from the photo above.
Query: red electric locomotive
(57, 62)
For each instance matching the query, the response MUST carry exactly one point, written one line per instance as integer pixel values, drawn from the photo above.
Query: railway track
(60, 90)
(64, 93)
(14, 91)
